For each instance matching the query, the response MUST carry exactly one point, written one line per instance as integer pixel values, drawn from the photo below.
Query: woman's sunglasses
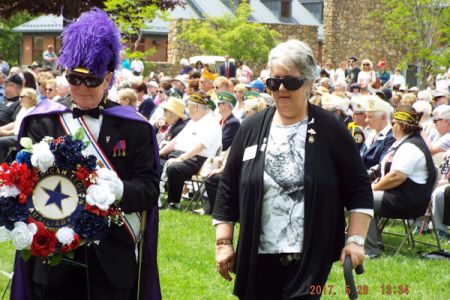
(290, 83)
(91, 82)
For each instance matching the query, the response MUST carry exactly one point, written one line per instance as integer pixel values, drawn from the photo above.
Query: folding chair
(198, 180)
(409, 225)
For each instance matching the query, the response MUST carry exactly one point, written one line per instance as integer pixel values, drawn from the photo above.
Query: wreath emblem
(50, 201)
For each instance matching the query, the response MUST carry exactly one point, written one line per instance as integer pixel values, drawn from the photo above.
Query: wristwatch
(357, 239)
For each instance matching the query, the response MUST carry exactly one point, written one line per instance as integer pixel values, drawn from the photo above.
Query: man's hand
(225, 260)
(356, 253)
(110, 178)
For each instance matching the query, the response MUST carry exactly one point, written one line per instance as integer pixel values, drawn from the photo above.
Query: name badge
(250, 153)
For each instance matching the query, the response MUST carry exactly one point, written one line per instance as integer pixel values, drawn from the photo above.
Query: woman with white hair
(290, 212)
(439, 140)
(367, 76)
(186, 67)
(426, 122)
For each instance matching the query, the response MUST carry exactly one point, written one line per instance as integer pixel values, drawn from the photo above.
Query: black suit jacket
(231, 70)
(140, 177)
(229, 130)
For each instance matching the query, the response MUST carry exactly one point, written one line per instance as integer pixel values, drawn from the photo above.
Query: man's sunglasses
(290, 83)
(91, 82)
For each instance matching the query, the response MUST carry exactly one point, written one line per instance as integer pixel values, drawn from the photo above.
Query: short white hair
(184, 62)
(294, 54)
(423, 106)
(442, 112)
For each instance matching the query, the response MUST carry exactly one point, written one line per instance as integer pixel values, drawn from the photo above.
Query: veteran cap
(358, 104)
(197, 98)
(251, 95)
(376, 104)
(332, 102)
(226, 97)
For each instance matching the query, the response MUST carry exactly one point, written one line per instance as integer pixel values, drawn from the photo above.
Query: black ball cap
(15, 79)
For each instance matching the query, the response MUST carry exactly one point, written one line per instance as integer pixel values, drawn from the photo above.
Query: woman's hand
(225, 260)
(356, 253)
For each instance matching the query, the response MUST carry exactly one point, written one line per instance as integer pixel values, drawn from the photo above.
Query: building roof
(194, 9)
(303, 17)
(262, 13)
(42, 24)
(211, 8)
(160, 26)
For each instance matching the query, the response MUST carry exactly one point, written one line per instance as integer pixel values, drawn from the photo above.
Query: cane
(140, 255)
(348, 275)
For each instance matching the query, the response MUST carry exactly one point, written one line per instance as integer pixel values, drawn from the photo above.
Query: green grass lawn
(187, 269)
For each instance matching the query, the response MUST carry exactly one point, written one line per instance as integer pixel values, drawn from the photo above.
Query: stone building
(351, 30)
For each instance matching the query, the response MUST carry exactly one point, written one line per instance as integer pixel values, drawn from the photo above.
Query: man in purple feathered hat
(123, 264)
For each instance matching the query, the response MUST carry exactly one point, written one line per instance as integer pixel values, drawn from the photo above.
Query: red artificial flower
(75, 243)
(6, 176)
(44, 241)
(96, 211)
(83, 174)
(58, 140)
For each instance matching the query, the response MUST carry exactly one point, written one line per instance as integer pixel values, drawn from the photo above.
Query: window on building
(274, 6)
(286, 9)
(38, 48)
(315, 7)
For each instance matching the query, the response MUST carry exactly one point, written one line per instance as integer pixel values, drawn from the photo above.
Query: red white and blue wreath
(50, 200)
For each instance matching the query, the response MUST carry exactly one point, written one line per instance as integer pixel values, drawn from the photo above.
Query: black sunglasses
(290, 83)
(91, 82)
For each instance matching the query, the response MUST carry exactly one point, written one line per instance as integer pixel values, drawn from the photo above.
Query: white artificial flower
(22, 235)
(86, 152)
(9, 191)
(42, 157)
(65, 235)
(100, 196)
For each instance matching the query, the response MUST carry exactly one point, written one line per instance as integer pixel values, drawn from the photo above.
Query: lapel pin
(108, 138)
(311, 139)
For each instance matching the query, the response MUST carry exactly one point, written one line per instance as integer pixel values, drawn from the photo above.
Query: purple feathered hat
(91, 44)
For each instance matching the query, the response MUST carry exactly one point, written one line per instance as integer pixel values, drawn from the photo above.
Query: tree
(131, 16)
(232, 34)
(421, 28)
(72, 8)
(10, 41)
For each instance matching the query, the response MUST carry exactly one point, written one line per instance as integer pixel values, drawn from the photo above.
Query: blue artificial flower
(68, 153)
(90, 227)
(24, 157)
(90, 162)
(11, 211)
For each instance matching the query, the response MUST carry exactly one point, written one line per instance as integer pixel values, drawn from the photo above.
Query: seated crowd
(403, 134)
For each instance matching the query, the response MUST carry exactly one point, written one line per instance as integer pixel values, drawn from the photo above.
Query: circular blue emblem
(57, 198)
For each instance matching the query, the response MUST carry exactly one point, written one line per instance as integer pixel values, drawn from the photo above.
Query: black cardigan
(335, 177)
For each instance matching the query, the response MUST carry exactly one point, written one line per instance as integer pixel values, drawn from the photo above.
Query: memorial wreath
(50, 200)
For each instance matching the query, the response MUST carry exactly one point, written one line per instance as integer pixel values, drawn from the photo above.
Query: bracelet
(224, 242)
